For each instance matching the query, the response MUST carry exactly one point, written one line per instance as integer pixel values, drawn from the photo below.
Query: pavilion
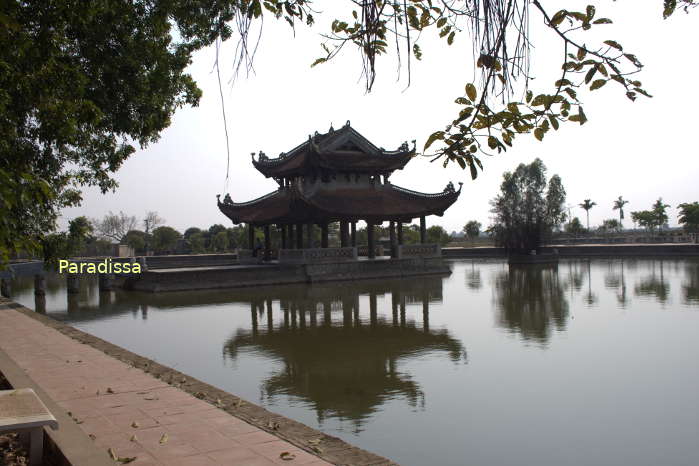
(339, 176)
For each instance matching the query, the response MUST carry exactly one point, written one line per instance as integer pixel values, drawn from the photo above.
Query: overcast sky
(642, 150)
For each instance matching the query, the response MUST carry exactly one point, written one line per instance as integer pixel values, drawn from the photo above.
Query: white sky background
(640, 150)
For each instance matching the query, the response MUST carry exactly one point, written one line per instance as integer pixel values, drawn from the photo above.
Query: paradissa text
(105, 266)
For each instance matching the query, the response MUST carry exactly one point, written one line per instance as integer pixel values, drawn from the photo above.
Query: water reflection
(530, 299)
(654, 283)
(339, 364)
(690, 287)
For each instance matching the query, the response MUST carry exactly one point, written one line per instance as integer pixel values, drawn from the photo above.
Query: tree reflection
(473, 278)
(343, 366)
(690, 288)
(530, 299)
(654, 284)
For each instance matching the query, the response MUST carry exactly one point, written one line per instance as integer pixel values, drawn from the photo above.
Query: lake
(592, 362)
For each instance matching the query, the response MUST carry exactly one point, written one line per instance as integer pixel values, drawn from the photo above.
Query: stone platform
(275, 273)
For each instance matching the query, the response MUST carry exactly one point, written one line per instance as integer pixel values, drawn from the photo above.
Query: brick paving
(133, 413)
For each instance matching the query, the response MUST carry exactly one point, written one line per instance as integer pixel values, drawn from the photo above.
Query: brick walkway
(133, 413)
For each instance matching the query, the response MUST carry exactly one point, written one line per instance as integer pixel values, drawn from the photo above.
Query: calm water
(592, 363)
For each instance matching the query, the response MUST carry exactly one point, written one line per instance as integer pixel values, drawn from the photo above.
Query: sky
(641, 151)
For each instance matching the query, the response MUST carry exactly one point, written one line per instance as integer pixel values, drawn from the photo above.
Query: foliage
(437, 234)
(525, 213)
(115, 226)
(587, 204)
(219, 242)
(196, 242)
(191, 231)
(660, 211)
(575, 227)
(654, 218)
(689, 216)
(165, 238)
(136, 239)
(619, 205)
(611, 225)
(66, 244)
(472, 228)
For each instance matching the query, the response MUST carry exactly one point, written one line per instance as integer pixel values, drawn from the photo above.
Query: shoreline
(329, 448)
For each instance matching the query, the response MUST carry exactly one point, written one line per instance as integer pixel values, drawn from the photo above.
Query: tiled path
(143, 417)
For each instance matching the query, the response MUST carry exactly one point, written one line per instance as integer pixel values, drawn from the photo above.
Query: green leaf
(669, 8)
(433, 137)
(558, 18)
(450, 39)
(493, 142)
(602, 21)
(318, 62)
(597, 84)
(441, 22)
(590, 74)
(461, 162)
(613, 43)
(474, 171)
(539, 134)
(471, 92)
(581, 53)
(590, 12)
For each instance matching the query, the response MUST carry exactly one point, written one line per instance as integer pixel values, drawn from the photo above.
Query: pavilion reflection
(337, 361)
(530, 300)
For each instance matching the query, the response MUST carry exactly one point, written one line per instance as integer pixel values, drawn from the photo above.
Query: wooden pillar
(324, 235)
(399, 227)
(290, 239)
(344, 240)
(309, 237)
(39, 284)
(251, 236)
(40, 303)
(327, 314)
(282, 232)
(353, 234)
(299, 236)
(268, 244)
(392, 236)
(423, 230)
(371, 246)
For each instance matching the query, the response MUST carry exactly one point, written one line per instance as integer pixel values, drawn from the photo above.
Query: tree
(220, 241)
(587, 205)
(472, 229)
(196, 243)
(689, 218)
(648, 219)
(115, 226)
(165, 238)
(555, 202)
(83, 82)
(619, 205)
(611, 225)
(575, 227)
(150, 222)
(437, 234)
(215, 229)
(136, 239)
(523, 215)
(79, 231)
(660, 211)
(191, 231)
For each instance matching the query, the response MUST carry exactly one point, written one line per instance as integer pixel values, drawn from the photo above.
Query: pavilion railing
(302, 256)
(419, 250)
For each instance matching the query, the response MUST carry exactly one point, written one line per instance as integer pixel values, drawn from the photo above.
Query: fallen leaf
(135, 425)
(126, 460)
(163, 439)
(316, 449)
(92, 436)
(286, 456)
(112, 454)
(109, 390)
(315, 441)
(134, 438)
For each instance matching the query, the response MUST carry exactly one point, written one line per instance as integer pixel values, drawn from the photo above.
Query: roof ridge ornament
(348, 123)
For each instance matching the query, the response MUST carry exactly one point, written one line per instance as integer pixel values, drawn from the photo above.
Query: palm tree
(619, 204)
(587, 205)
